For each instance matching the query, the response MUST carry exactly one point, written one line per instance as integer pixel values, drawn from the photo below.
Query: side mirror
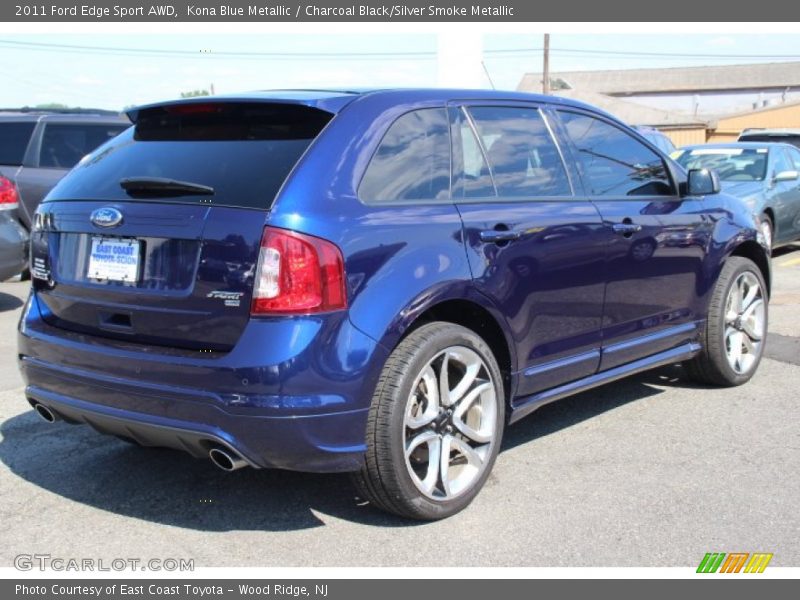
(702, 182)
(786, 176)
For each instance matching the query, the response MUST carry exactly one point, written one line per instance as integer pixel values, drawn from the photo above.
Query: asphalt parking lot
(651, 471)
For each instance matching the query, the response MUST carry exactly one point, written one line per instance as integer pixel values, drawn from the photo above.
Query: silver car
(13, 237)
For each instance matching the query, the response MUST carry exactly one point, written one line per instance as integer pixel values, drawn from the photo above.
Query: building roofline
(774, 75)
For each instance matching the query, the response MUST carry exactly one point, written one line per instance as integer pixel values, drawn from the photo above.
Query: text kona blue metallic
(377, 282)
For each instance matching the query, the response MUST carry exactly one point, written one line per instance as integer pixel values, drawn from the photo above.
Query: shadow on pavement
(564, 413)
(172, 488)
(786, 250)
(9, 302)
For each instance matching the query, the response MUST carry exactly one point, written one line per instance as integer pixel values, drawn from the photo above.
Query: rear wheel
(736, 327)
(435, 424)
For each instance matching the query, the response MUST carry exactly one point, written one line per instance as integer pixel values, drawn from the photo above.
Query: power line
(413, 55)
(643, 54)
(202, 54)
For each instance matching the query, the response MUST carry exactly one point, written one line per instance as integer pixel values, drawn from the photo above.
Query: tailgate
(154, 237)
(173, 275)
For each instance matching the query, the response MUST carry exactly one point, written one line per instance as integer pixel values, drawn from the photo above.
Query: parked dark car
(781, 136)
(766, 176)
(38, 147)
(13, 238)
(659, 139)
(431, 265)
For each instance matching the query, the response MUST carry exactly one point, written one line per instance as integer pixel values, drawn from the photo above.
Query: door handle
(626, 229)
(493, 236)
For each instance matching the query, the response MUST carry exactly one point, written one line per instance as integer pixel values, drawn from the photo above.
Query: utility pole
(546, 66)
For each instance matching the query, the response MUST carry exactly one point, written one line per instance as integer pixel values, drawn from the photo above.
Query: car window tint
(243, 150)
(782, 161)
(522, 155)
(475, 179)
(412, 161)
(613, 162)
(794, 154)
(14, 138)
(64, 145)
(664, 144)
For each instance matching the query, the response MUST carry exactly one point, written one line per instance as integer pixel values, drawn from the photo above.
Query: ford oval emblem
(106, 217)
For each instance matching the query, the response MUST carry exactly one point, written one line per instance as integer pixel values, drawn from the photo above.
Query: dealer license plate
(114, 259)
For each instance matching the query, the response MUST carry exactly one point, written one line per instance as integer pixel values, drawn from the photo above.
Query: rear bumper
(300, 413)
(13, 246)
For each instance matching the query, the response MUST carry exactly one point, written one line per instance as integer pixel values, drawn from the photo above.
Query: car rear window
(244, 151)
(14, 138)
(761, 137)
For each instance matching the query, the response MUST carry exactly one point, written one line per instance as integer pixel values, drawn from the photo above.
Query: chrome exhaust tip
(44, 412)
(226, 460)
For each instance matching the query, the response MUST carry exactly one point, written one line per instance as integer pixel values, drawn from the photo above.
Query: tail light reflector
(9, 197)
(298, 274)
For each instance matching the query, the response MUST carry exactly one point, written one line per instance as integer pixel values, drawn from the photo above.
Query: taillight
(298, 274)
(9, 198)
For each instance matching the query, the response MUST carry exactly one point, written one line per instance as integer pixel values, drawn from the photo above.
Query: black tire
(385, 479)
(711, 366)
(25, 275)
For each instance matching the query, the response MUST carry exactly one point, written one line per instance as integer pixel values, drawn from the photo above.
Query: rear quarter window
(412, 161)
(14, 139)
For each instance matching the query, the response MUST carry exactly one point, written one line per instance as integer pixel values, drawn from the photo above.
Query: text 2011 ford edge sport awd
(377, 282)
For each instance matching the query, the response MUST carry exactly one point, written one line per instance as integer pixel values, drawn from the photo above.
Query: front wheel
(435, 424)
(736, 327)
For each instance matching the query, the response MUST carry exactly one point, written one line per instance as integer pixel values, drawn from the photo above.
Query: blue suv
(377, 282)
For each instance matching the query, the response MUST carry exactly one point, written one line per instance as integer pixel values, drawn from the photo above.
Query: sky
(114, 71)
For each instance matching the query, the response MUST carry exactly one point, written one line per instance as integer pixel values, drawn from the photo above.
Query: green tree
(53, 106)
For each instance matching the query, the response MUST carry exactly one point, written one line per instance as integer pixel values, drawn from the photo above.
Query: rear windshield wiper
(163, 186)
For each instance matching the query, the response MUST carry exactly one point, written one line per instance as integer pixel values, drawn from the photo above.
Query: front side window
(522, 156)
(412, 161)
(614, 163)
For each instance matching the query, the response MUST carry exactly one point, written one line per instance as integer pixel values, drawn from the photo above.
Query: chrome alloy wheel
(744, 323)
(449, 423)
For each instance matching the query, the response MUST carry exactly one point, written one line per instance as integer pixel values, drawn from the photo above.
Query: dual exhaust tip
(225, 459)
